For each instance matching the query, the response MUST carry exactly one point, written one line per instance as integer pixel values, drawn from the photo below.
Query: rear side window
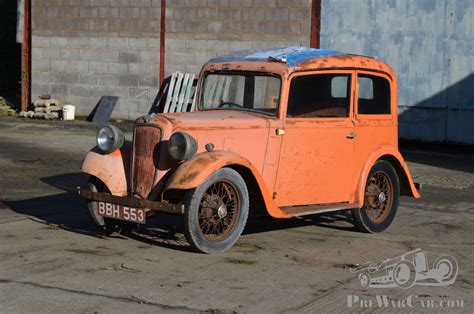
(320, 96)
(374, 95)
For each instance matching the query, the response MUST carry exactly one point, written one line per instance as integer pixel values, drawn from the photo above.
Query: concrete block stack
(44, 108)
(47, 109)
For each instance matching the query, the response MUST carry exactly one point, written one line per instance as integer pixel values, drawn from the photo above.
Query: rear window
(320, 96)
(374, 95)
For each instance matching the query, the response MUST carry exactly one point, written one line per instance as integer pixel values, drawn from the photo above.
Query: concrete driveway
(53, 259)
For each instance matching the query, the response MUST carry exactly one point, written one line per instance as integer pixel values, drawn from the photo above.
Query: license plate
(121, 212)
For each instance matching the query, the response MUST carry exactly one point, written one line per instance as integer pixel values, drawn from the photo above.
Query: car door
(317, 147)
(375, 116)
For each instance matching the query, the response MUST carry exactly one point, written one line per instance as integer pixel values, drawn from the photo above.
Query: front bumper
(150, 206)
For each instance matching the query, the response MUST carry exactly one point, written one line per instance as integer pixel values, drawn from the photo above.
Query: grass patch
(247, 245)
(240, 261)
(295, 259)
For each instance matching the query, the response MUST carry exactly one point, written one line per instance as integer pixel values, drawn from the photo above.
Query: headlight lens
(109, 139)
(182, 146)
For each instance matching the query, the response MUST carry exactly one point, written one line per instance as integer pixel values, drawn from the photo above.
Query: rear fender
(196, 170)
(112, 169)
(393, 156)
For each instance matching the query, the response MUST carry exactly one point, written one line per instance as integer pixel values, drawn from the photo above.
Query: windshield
(241, 91)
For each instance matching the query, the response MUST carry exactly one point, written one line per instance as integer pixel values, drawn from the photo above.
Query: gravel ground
(53, 259)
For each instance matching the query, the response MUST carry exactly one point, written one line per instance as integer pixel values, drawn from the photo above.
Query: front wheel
(216, 212)
(382, 192)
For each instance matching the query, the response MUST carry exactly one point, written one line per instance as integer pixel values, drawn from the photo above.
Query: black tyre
(216, 212)
(108, 225)
(382, 193)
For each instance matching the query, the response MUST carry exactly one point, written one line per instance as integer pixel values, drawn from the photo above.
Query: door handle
(351, 135)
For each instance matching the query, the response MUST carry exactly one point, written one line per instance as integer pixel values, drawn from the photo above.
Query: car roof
(301, 58)
(292, 56)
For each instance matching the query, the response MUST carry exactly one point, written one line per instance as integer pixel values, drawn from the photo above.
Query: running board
(316, 209)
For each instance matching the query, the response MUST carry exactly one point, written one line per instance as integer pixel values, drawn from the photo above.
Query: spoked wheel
(216, 212)
(382, 192)
(379, 197)
(219, 211)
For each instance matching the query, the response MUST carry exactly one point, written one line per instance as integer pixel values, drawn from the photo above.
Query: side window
(320, 96)
(374, 95)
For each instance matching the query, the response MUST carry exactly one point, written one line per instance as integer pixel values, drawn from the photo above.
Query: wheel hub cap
(222, 211)
(382, 197)
(379, 197)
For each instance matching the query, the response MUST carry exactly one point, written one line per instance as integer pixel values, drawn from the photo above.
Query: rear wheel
(216, 212)
(382, 192)
(108, 225)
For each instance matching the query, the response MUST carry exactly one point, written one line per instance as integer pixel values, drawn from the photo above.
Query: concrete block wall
(84, 49)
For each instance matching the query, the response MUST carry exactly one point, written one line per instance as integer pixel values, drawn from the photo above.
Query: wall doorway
(10, 54)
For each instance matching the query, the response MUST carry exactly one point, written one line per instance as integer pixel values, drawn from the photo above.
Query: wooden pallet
(5, 109)
(180, 93)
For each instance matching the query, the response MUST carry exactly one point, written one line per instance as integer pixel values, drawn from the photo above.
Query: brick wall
(84, 49)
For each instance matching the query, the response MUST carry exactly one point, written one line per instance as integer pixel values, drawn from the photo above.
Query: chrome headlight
(182, 146)
(109, 138)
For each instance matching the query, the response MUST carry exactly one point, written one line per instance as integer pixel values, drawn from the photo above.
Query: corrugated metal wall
(430, 45)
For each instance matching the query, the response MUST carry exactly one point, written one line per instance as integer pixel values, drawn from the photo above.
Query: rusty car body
(292, 131)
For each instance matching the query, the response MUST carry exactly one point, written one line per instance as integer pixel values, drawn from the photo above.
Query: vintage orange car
(292, 131)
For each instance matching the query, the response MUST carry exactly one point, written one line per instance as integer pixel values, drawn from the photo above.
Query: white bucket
(69, 112)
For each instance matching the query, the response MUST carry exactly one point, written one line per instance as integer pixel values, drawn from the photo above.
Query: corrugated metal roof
(292, 56)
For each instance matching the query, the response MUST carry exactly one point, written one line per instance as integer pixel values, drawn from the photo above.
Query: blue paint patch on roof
(292, 56)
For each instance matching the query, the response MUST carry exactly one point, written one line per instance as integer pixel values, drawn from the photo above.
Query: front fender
(393, 156)
(195, 171)
(112, 169)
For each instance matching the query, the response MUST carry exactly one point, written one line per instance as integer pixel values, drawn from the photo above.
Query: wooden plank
(213, 90)
(177, 88)
(220, 89)
(169, 96)
(182, 92)
(189, 92)
(193, 105)
(225, 91)
(210, 91)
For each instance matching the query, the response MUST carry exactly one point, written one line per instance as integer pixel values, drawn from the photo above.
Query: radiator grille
(145, 150)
